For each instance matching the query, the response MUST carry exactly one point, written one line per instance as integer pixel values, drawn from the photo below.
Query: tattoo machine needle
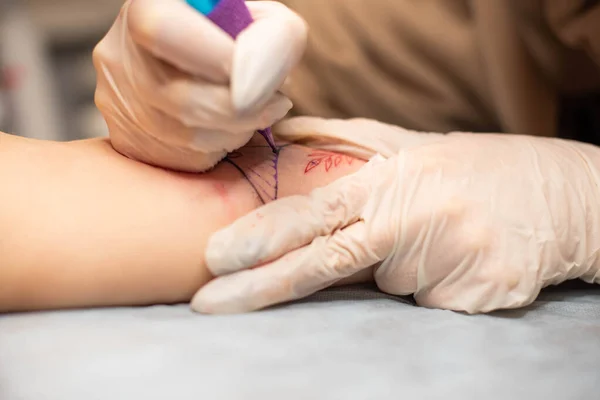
(232, 16)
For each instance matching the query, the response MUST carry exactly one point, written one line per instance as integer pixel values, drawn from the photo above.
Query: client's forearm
(81, 226)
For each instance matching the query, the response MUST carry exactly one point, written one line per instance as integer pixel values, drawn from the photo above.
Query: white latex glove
(466, 222)
(163, 80)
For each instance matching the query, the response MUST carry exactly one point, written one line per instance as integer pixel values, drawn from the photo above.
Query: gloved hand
(466, 222)
(163, 80)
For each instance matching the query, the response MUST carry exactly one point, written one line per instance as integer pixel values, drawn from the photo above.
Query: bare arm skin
(83, 226)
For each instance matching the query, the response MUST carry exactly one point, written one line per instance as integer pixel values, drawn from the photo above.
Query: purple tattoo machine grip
(233, 17)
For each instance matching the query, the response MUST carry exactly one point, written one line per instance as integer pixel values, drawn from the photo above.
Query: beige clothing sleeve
(442, 65)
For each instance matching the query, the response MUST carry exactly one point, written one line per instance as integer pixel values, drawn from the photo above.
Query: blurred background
(47, 79)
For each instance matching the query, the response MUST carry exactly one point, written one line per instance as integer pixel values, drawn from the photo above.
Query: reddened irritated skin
(84, 226)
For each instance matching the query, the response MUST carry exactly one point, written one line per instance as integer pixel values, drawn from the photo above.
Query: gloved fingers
(198, 104)
(265, 53)
(289, 223)
(286, 87)
(154, 139)
(296, 275)
(174, 32)
(211, 141)
(360, 138)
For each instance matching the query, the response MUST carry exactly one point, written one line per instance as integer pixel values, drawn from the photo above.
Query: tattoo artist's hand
(466, 222)
(164, 73)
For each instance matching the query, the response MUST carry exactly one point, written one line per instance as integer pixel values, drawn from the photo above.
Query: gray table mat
(344, 343)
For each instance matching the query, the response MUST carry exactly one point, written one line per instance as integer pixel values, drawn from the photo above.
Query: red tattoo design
(328, 159)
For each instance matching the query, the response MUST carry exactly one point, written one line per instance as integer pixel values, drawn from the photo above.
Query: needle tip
(268, 135)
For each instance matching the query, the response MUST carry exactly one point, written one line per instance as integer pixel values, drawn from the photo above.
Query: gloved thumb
(361, 138)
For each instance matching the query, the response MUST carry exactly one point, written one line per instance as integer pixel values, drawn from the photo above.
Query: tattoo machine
(232, 16)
